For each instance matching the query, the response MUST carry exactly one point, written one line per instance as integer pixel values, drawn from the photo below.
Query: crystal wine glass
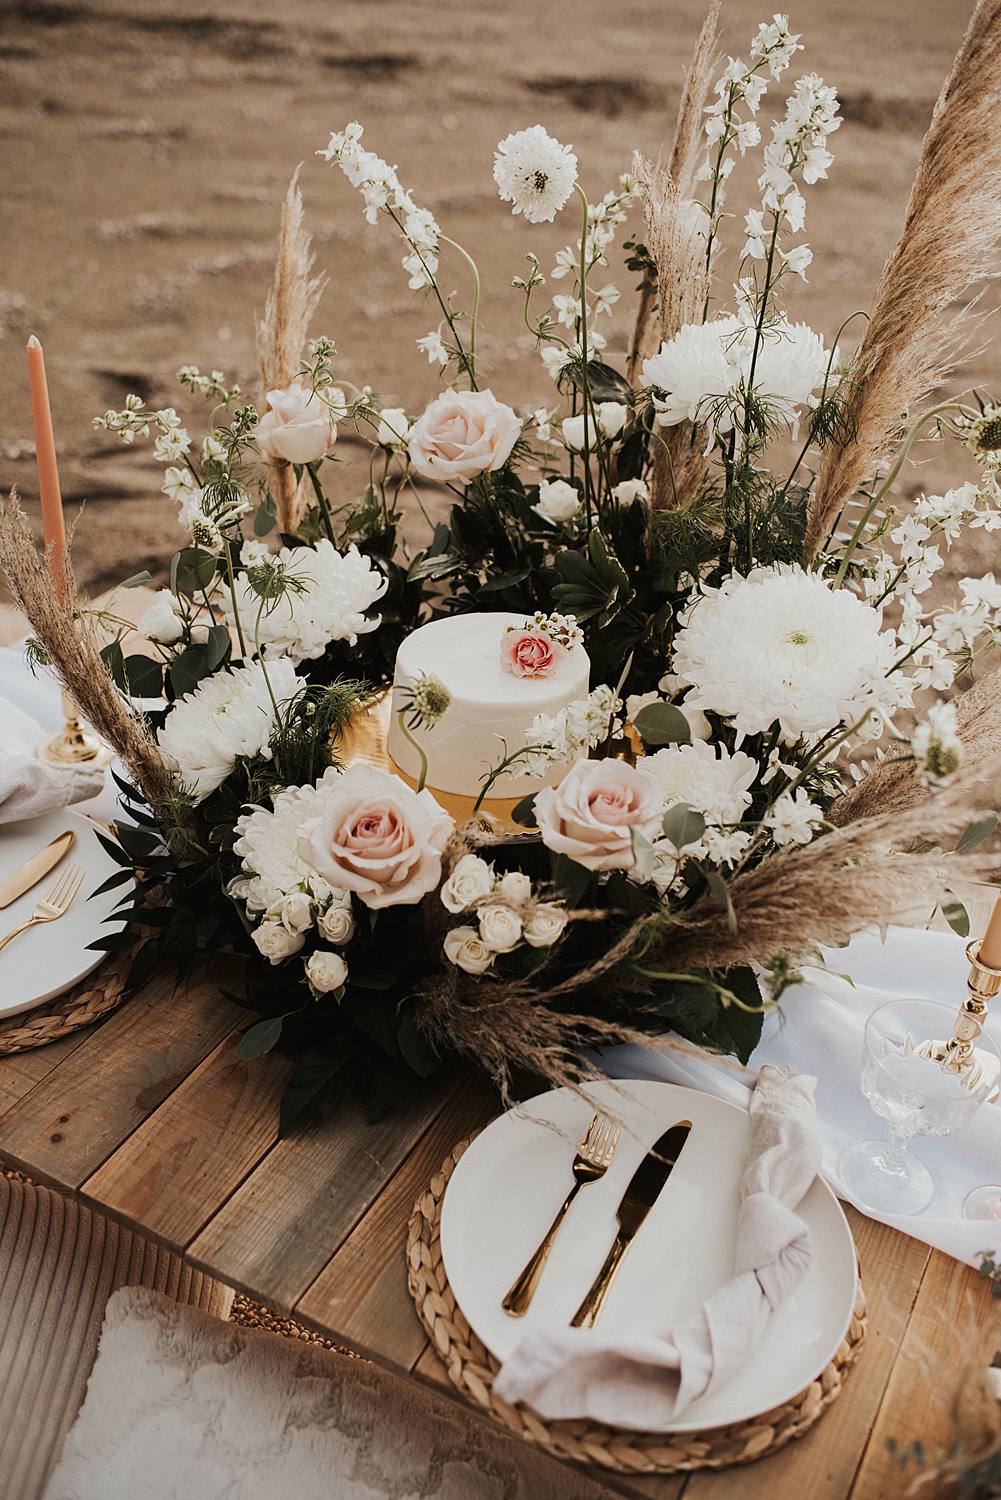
(915, 1095)
(983, 1202)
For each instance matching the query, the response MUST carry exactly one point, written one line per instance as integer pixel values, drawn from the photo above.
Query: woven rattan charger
(88, 1001)
(471, 1369)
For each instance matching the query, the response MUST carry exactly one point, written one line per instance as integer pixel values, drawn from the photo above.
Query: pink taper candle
(990, 943)
(49, 493)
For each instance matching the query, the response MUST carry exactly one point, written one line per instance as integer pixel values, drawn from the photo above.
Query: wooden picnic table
(151, 1116)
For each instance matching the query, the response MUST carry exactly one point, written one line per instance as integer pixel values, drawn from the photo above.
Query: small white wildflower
(794, 818)
(432, 346)
(937, 747)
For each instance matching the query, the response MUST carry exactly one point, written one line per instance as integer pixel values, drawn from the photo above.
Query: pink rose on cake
(462, 434)
(591, 815)
(299, 428)
(378, 838)
(529, 653)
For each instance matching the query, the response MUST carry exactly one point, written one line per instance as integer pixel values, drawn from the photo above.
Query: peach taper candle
(49, 493)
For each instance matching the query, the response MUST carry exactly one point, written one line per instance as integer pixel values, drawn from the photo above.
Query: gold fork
(594, 1155)
(55, 903)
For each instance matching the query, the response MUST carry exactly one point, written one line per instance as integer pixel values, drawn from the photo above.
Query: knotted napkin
(27, 787)
(645, 1382)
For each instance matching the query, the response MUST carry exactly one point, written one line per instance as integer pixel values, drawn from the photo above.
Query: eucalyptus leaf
(137, 580)
(260, 1038)
(981, 828)
(143, 676)
(663, 724)
(191, 570)
(957, 916)
(682, 825)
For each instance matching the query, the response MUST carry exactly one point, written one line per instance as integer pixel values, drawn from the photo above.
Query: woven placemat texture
(86, 1002)
(471, 1369)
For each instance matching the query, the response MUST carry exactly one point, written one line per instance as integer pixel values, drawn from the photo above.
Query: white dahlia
(781, 646)
(337, 589)
(693, 373)
(228, 715)
(791, 366)
(268, 846)
(534, 173)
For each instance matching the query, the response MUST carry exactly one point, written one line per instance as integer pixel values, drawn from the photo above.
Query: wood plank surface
(954, 1330)
(180, 1166)
(280, 1228)
(79, 1113)
(21, 1071)
(362, 1291)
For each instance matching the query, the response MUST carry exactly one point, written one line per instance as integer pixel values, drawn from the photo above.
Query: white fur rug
(183, 1407)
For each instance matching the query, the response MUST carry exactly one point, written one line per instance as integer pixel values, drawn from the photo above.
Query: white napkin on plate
(645, 1382)
(27, 787)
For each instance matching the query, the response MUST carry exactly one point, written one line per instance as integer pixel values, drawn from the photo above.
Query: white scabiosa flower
(781, 646)
(534, 173)
(337, 588)
(228, 715)
(694, 374)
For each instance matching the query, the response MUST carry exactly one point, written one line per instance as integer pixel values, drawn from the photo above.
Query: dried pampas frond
(877, 870)
(69, 639)
(894, 784)
(948, 242)
(282, 332)
(676, 241)
(689, 142)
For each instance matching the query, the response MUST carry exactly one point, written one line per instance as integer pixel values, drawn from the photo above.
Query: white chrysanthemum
(694, 372)
(534, 173)
(791, 366)
(228, 715)
(268, 846)
(781, 646)
(338, 587)
(715, 783)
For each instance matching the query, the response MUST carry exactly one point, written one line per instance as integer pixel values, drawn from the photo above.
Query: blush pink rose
(529, 653)
(462, 434)
(377, 837)
(299, 427)
(590, 816)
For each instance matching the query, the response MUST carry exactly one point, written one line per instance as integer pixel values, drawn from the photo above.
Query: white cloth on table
(31, 711)
(646, 1381)
(819, 1031)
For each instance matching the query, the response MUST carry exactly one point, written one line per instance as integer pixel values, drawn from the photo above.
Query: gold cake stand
(366, 742)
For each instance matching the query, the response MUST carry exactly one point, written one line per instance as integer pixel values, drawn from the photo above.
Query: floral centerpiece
(713, 525)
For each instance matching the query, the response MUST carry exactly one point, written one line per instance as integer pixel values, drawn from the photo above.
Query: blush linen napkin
(645, 1382)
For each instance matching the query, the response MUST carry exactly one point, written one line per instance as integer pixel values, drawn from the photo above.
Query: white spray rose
(466, 949)
(469, 882)
(326, 971)
(275, 942)
(558, 501)
(161, 621)
(337, 924)
(296, 912)
(544, 925)
(628, 490)
(500, 928)
(515, 887)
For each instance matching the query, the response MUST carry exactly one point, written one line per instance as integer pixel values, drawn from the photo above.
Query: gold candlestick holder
(960, 1054)
(74, 745)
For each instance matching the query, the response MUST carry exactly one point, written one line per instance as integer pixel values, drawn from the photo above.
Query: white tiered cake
(490, 706)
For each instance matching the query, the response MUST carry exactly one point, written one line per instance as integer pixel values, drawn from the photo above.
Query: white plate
(47, 960)
(505, 1189)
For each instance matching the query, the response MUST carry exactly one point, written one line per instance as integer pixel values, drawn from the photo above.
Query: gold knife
(37, 867)
(636, 1202)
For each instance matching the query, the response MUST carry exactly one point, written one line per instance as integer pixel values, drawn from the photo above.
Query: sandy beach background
(147, 148)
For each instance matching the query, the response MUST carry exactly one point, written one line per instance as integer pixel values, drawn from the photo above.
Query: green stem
(585, 384)
(227, 554)
(447, 313)
(887, 484)
(474, 313)
(321, 499)
(422, 778)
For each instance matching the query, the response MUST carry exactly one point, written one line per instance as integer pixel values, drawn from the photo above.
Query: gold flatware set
(58, 898)
(591, 1162)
